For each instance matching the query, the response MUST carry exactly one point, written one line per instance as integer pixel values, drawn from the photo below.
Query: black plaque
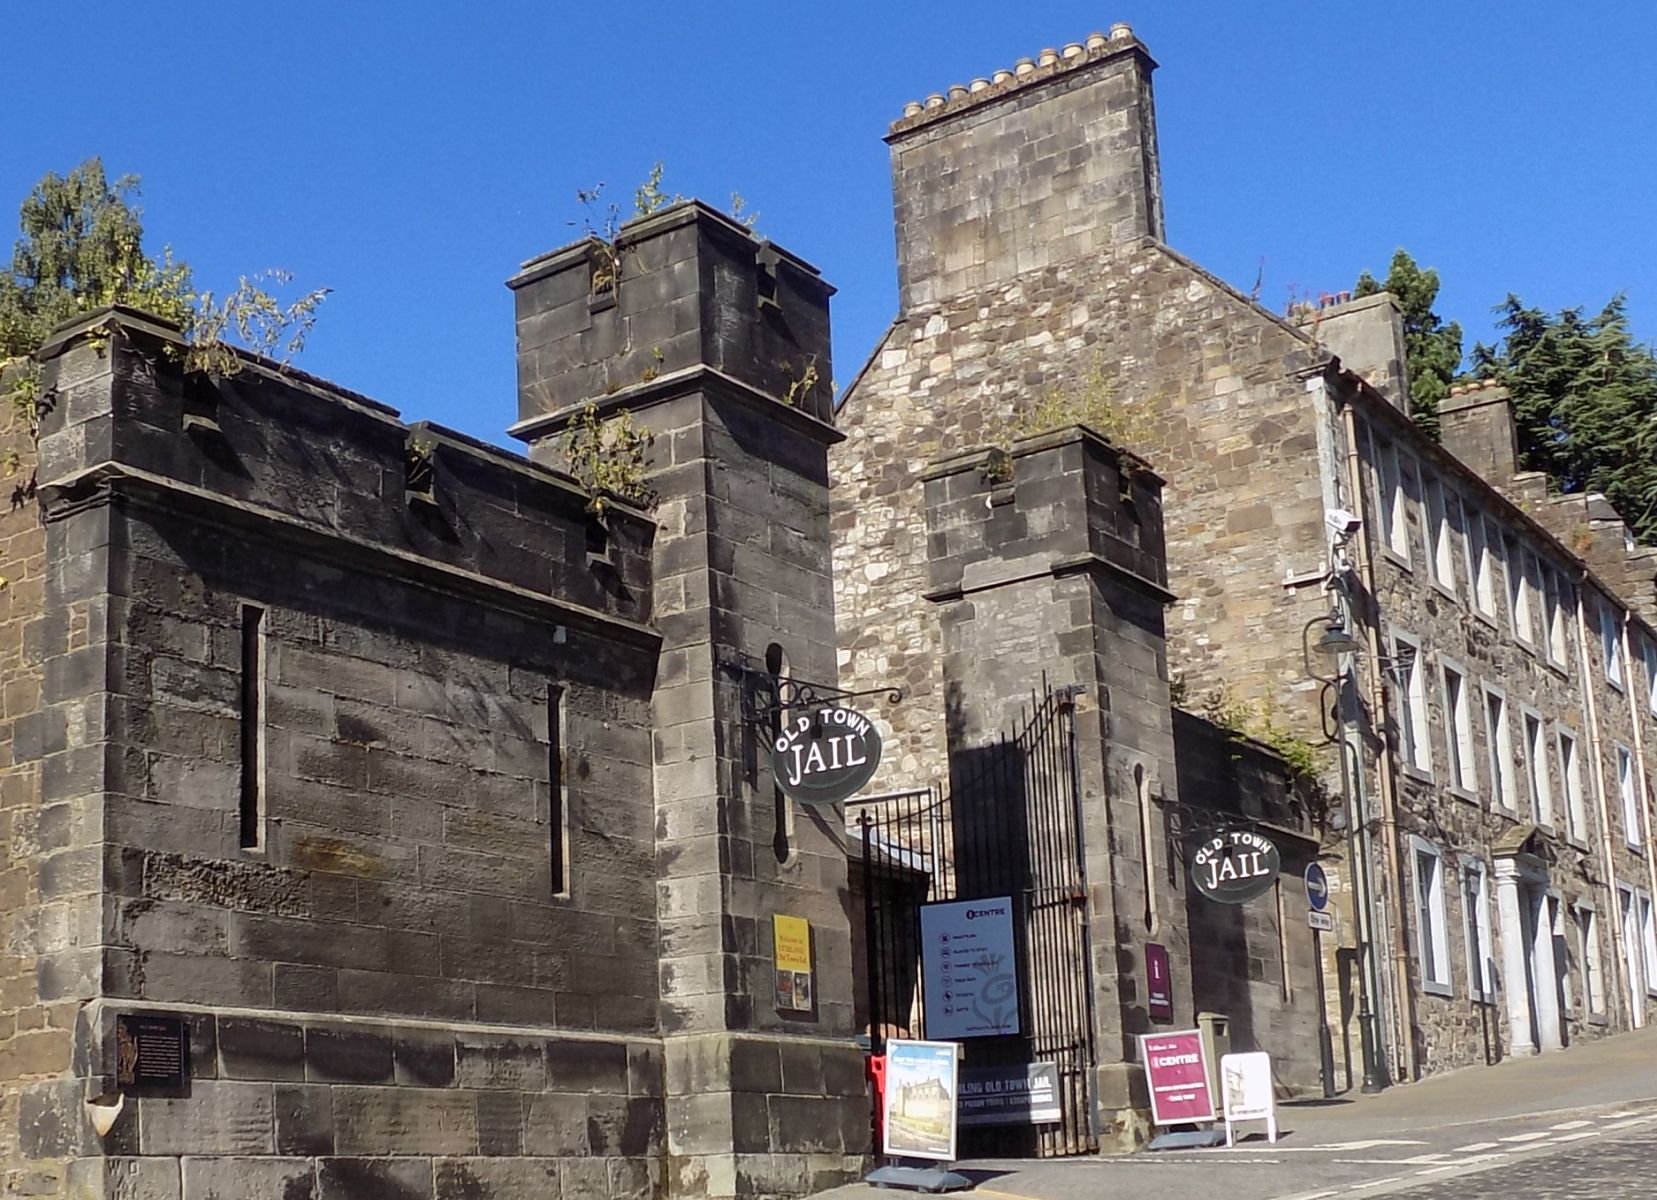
(152, 1053)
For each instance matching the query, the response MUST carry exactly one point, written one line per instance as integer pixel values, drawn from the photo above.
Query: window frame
(1645, 911)
(1610, 637)
(1499, 750)
(1570, 782)
(1458, 729)
(1586, 919)
(1392, 497)
(1540, 775)
(1648, 653)
(1480, 562)
(1477, 933)
(1520, 618)
(1432, 949)
(1440, 545)
(1628, 791)
(1415, 724)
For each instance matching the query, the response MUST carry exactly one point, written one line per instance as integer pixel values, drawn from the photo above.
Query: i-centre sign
(826, 755)
(1235, 865)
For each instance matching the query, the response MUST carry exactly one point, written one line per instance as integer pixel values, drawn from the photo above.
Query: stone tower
(717, 343)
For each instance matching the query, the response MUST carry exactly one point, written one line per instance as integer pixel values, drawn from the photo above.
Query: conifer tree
(1432, 347)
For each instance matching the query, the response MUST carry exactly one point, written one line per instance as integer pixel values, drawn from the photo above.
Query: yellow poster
(792, 941)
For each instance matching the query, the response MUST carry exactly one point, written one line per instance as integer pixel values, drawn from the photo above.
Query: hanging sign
(1235, 866)
(826, 755)
(920, 1100)
(1159, 986)
(1176, 1067)
(969, 968)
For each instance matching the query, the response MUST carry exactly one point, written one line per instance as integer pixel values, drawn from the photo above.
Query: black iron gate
(1009, 826)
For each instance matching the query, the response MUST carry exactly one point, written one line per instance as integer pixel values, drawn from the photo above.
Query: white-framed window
(1441, 551)
(1627, 792)
(1389, 473)
(1481, 564)
(1481, 947)
(1499, 737)
(1570, 775)
(1458, 729)
(1556, 604)
(1566, 961)
(1610, 637)
(1414, 736)
(1648, 942)
(1648, 651)
(1432, 927)
(1518, 590)
(1632, 954)
(1593, 965)
(1536, 768)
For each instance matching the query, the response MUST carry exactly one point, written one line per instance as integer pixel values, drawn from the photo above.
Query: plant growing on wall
(1087, 398)
(81, 248)
(1261, 722)
(607, 457)
(800, 383)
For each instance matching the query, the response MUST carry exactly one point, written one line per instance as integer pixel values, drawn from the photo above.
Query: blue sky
(410, 154)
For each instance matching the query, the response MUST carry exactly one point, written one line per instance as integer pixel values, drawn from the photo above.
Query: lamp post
(1340, 648)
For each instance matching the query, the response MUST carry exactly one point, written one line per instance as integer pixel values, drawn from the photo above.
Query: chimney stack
(1475, 423)
(1049, 161)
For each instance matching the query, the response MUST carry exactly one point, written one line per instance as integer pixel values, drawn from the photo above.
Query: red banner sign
(1177, 1070)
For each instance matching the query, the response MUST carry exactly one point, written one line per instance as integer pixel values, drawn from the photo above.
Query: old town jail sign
(1006, 834)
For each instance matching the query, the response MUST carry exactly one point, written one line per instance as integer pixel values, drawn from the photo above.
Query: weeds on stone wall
(602, 221)
(1260, 721)
(800, 384)
(1088, 398)
(607, 457)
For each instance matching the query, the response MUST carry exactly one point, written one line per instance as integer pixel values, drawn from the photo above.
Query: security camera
(1342, 523)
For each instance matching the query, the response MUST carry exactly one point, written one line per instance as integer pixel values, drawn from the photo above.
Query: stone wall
(415, 639)
(35, 1037)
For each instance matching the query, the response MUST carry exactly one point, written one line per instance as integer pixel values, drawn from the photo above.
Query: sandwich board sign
(921, 1097)
(1176, 1067)
(1246, 1085)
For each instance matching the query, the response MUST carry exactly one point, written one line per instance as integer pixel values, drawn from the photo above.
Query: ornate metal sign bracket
(765, 696)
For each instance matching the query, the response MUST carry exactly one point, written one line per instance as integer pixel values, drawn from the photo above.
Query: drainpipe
(1637, 719)
(1403, 1006)
(1619, 936)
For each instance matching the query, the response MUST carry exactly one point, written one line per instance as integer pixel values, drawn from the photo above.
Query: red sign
(1159, 984)
(1177, 1070)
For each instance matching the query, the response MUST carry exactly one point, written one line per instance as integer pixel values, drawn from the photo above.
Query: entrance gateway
(975, 910)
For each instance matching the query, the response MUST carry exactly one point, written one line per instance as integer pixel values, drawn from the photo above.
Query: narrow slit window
(253, 728)
(782, 838)
(558, 814)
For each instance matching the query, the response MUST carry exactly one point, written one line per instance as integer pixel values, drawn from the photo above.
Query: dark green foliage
(1585, 397)
(1432, 347)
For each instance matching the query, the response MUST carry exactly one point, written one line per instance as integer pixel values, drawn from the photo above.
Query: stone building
(414, 797)
(1500, 700)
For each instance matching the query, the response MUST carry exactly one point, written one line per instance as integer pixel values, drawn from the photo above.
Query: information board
(152, 1053)
(1176, 1067)
(969, 968)
(1159, 984)
(1017, 1095)
(919, 1114)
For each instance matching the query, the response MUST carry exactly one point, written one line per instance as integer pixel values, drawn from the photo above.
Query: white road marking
(1474, 1147)
(1423, 1159)
(1571, 1125)
(1436, 1170)
(1524, 1137)
(1312, 1195)
(1627, 1112)
(1632, 1122)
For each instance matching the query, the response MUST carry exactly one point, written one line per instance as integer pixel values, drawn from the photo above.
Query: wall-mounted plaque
(152, 1053)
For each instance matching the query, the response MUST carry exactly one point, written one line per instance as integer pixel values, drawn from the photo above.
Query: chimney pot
(1048, 57)
(913, 108)
(1097, 41)
(1074, 50)
(1024, 66)
(1001, 76)
(957, 91)
(934, 101)
(1121, 32)
(978, 85)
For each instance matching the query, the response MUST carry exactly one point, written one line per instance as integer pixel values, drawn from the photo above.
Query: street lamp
(1333, 646)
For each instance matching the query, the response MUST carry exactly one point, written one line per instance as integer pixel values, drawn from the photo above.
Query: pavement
(1578, 1123)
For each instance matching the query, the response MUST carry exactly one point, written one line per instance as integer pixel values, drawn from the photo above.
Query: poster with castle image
(920, 1100)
